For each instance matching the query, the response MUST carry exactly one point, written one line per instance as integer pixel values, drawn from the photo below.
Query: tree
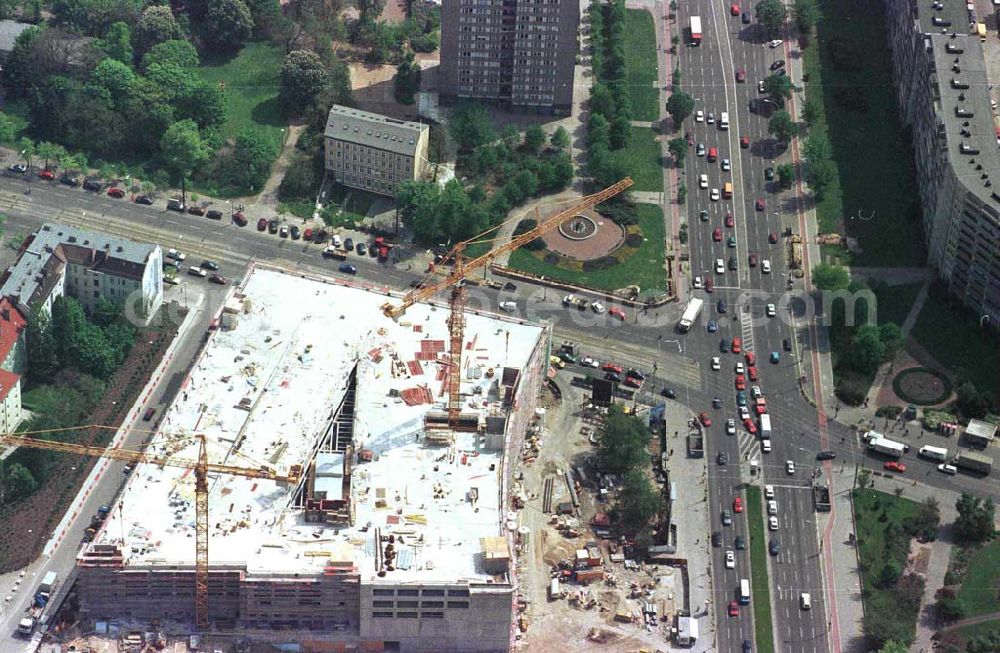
(183, 150)
(156, 25)
(94, 17)
(779, 87)
(621, 130)
(970, 402)
(811, 109)
(303, 77)
(638, 501)
(867, 351)
(18, 482)
(771, 14)
(974, 523)
(781, 127)
(117, 43)
(678, 148)
(602, 102)
(471, 126)
(177, 53)
(807, 14)
(407, 81)
(68, 322)
(820, 174)
(881, 626)
(560, 138)
(115, 77)
(369, 10)
(19, 70)
(534, 138)
(786, 175)
(679, 106)
(7, 129)
(41, 348)
(621, 442)
(830, 277)
(50, 152)
(250, 163)
(228, 25)
(892, 338)
(264, 13)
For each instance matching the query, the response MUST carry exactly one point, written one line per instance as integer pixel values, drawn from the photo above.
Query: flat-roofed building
(373, 152)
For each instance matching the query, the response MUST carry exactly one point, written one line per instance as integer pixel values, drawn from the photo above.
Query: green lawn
(643, 158)
(251, 81)
(978, 594)
(640, 62)
(870, 150)
(979, 630)
(759, 582)
(644, 268)
(876, 514)
(894, 302)
(956, 342)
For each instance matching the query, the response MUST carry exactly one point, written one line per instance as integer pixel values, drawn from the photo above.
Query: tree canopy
(781, 126)
(471, 126)
(771, 14)
(303, 77)
(974, 523)
(228, 25)
(679, 106)
(621, 442)
(830, 277)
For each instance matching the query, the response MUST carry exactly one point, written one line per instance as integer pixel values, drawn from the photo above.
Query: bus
(744, 591)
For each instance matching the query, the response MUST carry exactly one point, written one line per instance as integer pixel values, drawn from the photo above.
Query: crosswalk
(749, 446)
(746, 328)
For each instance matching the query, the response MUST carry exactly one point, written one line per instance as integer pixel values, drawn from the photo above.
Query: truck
(555, 592)
(887, 446)
(976, 462)
(695, 28)
(42, 595)
(334, 253)
(934, 453)
(695, 445)
(765, 427)
(691, 314)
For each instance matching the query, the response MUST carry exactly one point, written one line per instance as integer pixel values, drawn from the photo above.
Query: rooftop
(980, 429)
(263, 393)
(9, 31)
(12, 322)
(373, 130)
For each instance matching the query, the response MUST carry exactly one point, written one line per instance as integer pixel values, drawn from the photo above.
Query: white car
(587, 361)
(569, 299)
(772, 523)
(726, 165)
(700, 149)
(597, 307)
(770, 310)
(703, 181)
(510, 307)
(765, 446)
(715, 195)
(775, 43)
(730, 426)
(716, 364)
(698, 283)
(699, 116)
(947, 469)
(720, 266)
(176, 255)
(772, 507)
(711, 118)
(768, 491)
(744, 412)
(765, 266)
(760, 86)
(196, 271)
(790, 467)
(739, 368)
(730, 559)
(756, 391)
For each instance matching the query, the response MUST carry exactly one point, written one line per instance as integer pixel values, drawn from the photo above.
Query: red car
(734, 609)
(772, 238)
(729, 220)
(709, 285)
(741, 382)
(613, 367)
(761, 406)
(741, 75)
(617, 312)
(744, 142)
(47, 174)
(717, 235)
(734, 10)
(751, 358)
(307, 234)
(893, 466)
(240, 219)
(760, 204)
(752, 373)
(753, 260)
(632, 382)
(704, 419)
(737, 345)
(750, 426)
(737, 505)
(116, 192)
(262, 224)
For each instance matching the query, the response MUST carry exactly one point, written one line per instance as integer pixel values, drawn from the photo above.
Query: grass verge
(985, 629)
(894, 302)
(978, 594)
(955, 341)
(759, 582)
(643, 159)
(640, 64)
(860, 113)
(643, 268)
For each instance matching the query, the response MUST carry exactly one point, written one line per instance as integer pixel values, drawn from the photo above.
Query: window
(458, 604)
(428, 592)
(382, 604)
(461, 592)
(407, 592)
(383, 592)
(382, 615)
(406, 604)
(432, 615)
(432, 604)
(406, 615)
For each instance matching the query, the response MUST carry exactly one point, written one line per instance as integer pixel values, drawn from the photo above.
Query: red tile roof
(7, 381)
(12, 322)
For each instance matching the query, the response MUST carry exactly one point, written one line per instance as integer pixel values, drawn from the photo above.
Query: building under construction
(397, 537)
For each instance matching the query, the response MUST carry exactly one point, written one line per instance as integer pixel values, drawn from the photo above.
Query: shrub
(892, 412)
(634, 241)
(603, 263)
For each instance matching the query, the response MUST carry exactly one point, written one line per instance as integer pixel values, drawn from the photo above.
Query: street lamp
(986, 319)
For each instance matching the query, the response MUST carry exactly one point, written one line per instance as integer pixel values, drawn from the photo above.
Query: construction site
(349, 498)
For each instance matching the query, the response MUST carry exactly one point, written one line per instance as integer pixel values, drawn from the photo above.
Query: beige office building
(373, 152)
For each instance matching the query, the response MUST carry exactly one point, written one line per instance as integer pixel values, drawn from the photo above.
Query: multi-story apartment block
(939, 72)
(516, 52)
(12, 353)
(373, 152)
(59, 260)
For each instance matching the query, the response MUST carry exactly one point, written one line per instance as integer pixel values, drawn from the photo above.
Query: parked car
(214, 215)
(295, 232)
(116, 192)
(240, 219)
(705, 420)
(745, 18)
(148, 415)
(361, 249)
(69, 181)
(283, 231)
(262, 224)
(174, 204)
(272, 226)
(210, 265)
(47, 175)
(617, 312)
(197, 272)
(19, 168)
(347, 268)
(93, 185)
(145, 200)
(894, 466)
(219, 279)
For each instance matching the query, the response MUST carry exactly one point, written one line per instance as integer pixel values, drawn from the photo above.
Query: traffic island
(759, 581)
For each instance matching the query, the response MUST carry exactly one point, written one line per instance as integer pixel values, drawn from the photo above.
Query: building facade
(87, 266)
(516, 52)
(373, 152)
(939, 73)
(12, 364)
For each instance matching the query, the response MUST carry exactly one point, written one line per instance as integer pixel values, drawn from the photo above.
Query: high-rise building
(516, 52)
(941, 81)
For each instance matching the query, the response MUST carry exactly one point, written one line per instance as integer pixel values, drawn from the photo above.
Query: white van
(934, 453)
(805, 601)
(724, 121)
